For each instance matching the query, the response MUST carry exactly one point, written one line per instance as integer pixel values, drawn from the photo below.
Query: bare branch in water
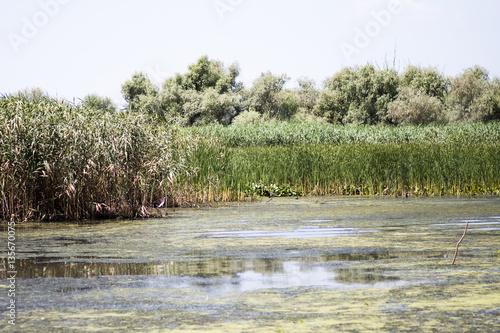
(456, 249)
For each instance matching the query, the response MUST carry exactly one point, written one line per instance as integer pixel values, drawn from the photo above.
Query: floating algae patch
(304, 232)
(312, 264)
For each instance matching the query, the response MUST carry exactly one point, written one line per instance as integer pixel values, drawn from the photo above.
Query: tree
(474, 97)
(358, 95)
(426, 80)
(420, 97)
(138, 86)
(308, 94)
(97, 102)
(207, 94)
(206, 73)
(268, 97)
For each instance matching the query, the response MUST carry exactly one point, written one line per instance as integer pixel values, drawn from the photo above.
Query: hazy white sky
(70, 48)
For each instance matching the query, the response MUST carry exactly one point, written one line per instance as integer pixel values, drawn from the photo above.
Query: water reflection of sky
(289, 274)
(294, 275)
(475, 224)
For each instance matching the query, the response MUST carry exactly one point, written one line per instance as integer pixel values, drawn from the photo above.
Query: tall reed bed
(58, 161)
(363, 168)
(329, 159)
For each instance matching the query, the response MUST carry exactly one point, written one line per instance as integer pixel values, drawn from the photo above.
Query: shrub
(303, 116)
(250, 117)
(474, 97)
(415, 107)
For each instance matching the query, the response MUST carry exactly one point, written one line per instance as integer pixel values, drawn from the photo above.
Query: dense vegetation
(286, 133)
(205, 137)
(209, 93)
(61, 161)
(459, 159)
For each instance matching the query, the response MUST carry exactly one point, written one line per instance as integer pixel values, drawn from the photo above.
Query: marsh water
(284, 265)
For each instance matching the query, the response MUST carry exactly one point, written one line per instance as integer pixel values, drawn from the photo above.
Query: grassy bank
(60, 161)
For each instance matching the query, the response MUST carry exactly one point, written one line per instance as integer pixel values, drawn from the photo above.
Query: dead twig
(456, 249)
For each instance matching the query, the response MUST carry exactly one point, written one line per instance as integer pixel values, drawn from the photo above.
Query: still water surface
(291, 265)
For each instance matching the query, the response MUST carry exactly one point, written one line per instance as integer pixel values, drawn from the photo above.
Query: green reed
(58, 161)
(363, 168)
(329, 159)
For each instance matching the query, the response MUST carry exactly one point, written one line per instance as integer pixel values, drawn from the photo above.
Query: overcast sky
(71, 48)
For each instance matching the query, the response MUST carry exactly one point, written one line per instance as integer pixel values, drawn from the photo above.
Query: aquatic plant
(60, 161)
(357, 169)
(271, 190)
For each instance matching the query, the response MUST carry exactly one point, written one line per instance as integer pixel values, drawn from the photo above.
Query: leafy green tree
(420, 97)
(269, 97)
(427, 81)
(358, 95)
(208, 107)
(328, 106)
(97, 102)
(138, 86)
(207, 94)
(206, 73)
(289, 104)
(308, 94)
(473, 97)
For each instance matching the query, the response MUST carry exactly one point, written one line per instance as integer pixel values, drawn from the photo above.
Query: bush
(250, 117)
(303, 116)
(414, 107)
(474, 97)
